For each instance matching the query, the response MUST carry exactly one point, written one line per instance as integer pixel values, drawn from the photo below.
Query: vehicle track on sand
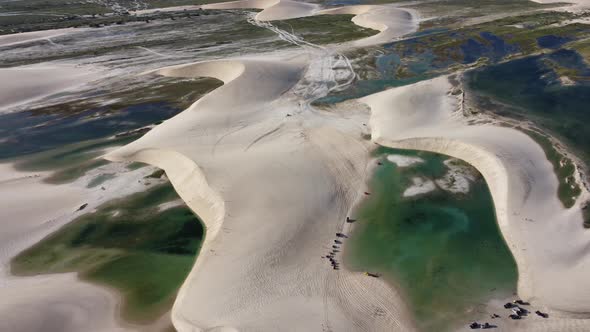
(328, 69)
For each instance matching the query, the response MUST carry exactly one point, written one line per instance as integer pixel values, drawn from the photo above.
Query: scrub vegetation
(568, 190)
(46, 138)
(32, 15)
(326, 29)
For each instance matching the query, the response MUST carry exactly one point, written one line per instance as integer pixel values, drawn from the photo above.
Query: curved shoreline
(391, 22)
(547, 240)
(236, 272)
(302, 159)
(203, 151)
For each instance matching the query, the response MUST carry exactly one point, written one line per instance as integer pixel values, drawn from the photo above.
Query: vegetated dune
(575, 4)
(391, 22)
(273, 183)
(548, 241)
(30, 211)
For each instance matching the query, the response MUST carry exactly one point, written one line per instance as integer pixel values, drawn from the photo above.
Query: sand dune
(216, 153)
(271, 9)
(576, 5)
(391, 22)
(548, 241)
(21, 85)
(274, 181)
(31, 210)
(272, 190)
(52, 302)
(27, 37)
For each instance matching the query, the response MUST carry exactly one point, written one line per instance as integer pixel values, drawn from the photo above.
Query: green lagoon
(444, 251)
(130, 245)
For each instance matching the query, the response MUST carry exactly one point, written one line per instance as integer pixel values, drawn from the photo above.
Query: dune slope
(547, 241)
(273, 184)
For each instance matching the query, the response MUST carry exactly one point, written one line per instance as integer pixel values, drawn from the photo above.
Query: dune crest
(547, 240)
(271, 9)
(272, 185)
(390, 21)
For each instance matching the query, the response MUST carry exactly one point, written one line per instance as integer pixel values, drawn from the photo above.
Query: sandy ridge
(391, 22)
(270, 188)
(254, 113)
(547, 240)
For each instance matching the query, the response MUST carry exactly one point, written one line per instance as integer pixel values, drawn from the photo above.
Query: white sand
(53, 302)
(27, 37)
(260, 266)
(404, 161)
(391, 22)
(31, 210)
(272, 191)
(22, 85)
(576, 5)
(271, 9)
(419, 186)
(548, 241)
(170, 205)
(458, 178)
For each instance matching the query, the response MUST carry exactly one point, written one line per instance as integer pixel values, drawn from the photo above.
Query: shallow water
(126, 244)
(444, 251)
(532, 88)
(26, 132)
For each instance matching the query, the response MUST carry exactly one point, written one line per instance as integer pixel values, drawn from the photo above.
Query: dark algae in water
(129, 245)
(533, 89)
(443, 251)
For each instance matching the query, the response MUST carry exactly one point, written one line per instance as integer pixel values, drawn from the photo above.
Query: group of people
(518, 312)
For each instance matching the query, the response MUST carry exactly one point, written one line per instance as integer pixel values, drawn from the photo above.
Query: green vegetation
(135, 165)
(32, 15)
(128, 245)
(177, 92)
(156, 174)
(71, 161)
(219, 32)
(325, 29)
(530, 89)
(443, 251)
(453, 12)
(586, 214)
(568, 190)
(583, 48)
(448, 45)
